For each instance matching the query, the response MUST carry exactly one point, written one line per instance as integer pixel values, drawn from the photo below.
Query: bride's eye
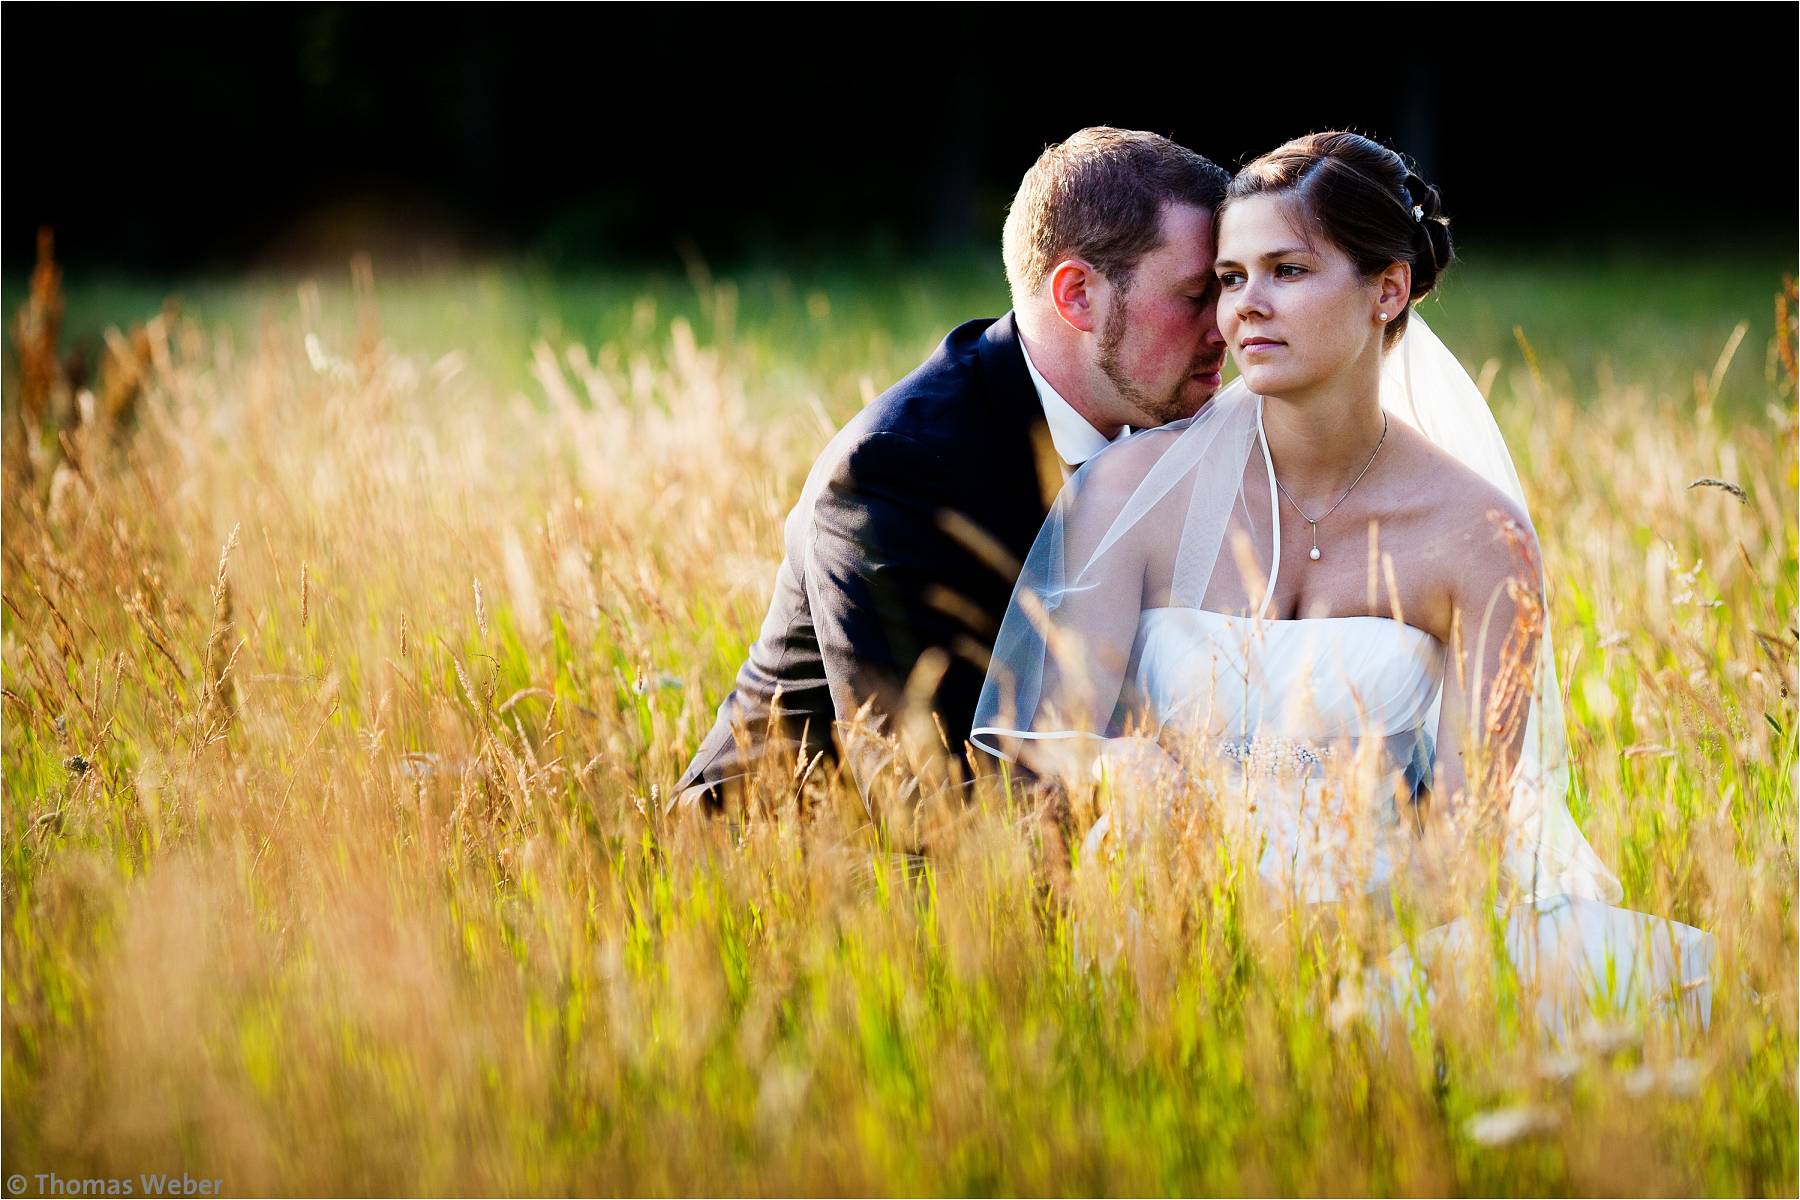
(1289, 271)
(1228, 279)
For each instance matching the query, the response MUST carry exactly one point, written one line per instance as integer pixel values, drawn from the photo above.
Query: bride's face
(1294, 309)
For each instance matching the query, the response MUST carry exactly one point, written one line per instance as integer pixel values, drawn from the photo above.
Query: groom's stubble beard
(1112, 336)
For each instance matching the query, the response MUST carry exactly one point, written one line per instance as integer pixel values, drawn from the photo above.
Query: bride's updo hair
(1364, 199)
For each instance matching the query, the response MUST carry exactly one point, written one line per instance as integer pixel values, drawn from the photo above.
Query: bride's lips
(1258, 345)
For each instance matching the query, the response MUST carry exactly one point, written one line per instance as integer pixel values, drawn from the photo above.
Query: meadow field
(355, 629)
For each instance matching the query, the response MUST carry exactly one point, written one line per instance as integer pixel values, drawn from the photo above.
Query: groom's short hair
(1100, 196)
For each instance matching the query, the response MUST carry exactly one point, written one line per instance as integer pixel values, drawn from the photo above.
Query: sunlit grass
(344, 685)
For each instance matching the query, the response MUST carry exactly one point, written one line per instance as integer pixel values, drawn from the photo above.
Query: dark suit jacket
(873, 579)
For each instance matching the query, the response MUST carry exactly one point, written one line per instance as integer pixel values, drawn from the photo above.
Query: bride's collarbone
(1391, 551)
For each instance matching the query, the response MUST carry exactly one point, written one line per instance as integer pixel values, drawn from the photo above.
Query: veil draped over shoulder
(1064, 653)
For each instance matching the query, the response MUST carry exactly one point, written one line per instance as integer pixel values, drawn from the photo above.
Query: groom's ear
(1072, 291)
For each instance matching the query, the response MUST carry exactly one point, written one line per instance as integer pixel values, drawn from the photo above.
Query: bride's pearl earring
(1383, 316)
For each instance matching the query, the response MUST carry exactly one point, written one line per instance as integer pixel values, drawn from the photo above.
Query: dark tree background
(174, 139)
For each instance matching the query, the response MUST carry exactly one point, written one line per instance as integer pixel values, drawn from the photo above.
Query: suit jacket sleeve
(877, 557)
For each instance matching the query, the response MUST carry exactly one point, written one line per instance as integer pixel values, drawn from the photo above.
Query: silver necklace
(1314, 522)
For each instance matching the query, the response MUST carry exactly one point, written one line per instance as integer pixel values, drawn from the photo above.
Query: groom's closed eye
(1199, 286)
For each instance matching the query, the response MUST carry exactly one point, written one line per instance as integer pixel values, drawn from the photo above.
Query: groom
(902, 552)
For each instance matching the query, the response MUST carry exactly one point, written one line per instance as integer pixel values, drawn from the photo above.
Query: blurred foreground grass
(352, 643)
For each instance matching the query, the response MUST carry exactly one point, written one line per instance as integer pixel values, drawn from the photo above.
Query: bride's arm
(1088, 627)
(1497, 620)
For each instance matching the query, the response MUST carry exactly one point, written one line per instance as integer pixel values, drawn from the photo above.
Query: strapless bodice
(1294, 704)
(1321, 679)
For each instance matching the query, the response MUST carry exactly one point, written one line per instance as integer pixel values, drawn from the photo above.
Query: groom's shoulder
(943, 393)
(951, 398)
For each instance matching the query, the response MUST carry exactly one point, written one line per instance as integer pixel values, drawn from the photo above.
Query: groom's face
(1160, 345)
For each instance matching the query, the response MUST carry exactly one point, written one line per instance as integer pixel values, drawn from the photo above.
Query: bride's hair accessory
(1314, 521)
(1425, 206)
(1369, 203)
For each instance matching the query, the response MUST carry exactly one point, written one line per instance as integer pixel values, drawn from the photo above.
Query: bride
(1320, 599)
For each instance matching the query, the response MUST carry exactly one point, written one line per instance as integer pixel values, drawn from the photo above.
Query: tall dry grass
(341, 694)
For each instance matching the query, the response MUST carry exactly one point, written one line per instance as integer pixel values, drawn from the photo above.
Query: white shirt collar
(1075, 440)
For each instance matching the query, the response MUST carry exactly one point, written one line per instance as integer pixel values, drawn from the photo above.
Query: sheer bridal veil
(1064, 653)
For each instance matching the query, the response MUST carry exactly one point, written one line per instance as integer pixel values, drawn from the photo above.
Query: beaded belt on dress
(1274, 755)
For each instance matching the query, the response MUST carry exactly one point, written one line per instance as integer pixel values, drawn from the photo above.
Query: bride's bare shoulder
(1484, 527)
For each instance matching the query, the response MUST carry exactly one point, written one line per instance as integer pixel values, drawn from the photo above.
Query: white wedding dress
(1324, 727)
(1284, 703)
